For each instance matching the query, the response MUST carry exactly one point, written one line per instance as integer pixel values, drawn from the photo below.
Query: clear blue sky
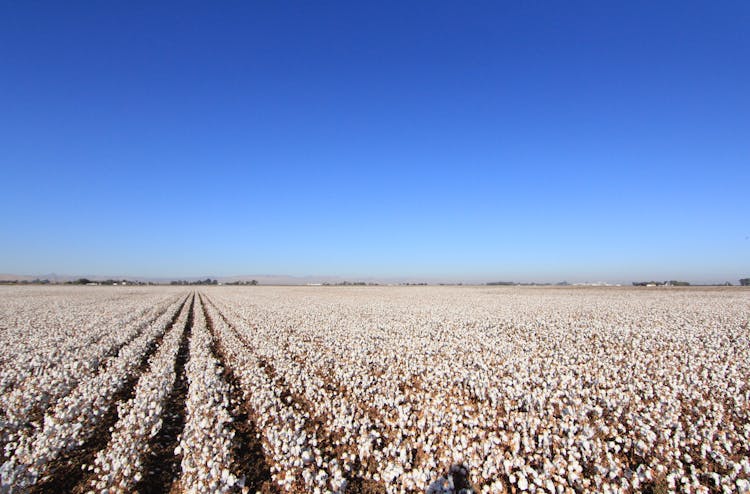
(470, 140)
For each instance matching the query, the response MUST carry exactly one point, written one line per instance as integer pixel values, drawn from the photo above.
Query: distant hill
(15, 277)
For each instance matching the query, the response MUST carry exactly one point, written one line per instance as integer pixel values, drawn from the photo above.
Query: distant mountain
(16, 277)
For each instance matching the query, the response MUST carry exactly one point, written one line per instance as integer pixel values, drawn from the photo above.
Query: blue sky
(465, 140)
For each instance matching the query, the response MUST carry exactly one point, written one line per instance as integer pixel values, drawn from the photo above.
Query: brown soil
(359, 485)
(314, 426)
(161, 467)
(247, 454)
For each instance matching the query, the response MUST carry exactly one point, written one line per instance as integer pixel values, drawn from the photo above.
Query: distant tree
(253, 282)
(83, 281)
(745, 282)
(679, 283)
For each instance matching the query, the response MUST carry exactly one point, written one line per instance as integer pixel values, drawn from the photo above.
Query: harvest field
(374, 389)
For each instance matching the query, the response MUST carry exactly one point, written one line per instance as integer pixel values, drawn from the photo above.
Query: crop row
(70, 422)
(39, 333)
(42, 386)
(206, 441)
(119, 466)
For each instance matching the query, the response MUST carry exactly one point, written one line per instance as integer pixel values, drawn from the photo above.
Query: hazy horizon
(284, 279)
(519, 142)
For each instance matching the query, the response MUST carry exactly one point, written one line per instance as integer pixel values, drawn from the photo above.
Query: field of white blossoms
(374, 389)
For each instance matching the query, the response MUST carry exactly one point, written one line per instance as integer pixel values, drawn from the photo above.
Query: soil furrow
(66, 473)
(37, 414)
(316, 425)
(161, 467)
(287, 396)
(248, 456)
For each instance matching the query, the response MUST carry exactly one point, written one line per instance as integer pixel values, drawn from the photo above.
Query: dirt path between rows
(161, 467)
(316, 425)
(248, 456)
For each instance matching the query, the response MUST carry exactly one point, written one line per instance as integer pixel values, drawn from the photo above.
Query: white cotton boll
(522, 482)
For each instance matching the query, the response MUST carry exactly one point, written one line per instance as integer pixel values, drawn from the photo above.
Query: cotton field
(374, 389)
